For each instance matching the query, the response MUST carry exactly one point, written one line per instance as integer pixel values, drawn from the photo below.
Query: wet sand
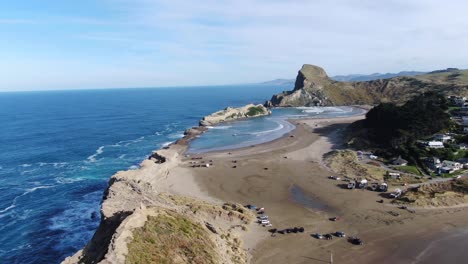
(286, 177)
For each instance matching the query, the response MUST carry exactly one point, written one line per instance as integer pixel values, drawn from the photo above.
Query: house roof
(399, 160)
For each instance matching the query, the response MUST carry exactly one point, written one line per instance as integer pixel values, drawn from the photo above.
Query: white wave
(134, 167)
(157, 133)
(28, 171)
(54, 164)
(129, 142)
(99, 151)
(25, 165)
(165, 144)
(315, 110)
(322, 109)
(8, 208)
(176, 135)
(278, 128)
(13, 203)
(59, 164)
(63, 180)
(122, 156)
(221, 127)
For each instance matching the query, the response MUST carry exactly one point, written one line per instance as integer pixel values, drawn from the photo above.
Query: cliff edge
(313, 87)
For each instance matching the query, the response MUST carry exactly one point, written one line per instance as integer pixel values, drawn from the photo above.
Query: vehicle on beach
(383, 187)
(396, 193)
(317, 236)
(362, 184)
(351, 185)
(356, 241)
(251, 207)
(267, 225)
(263, 222)
(328, 236)
(263, 217)
(336, 178)
(340, 234)
(335, 218)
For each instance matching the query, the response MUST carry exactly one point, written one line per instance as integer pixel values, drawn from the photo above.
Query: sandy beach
(287, 177)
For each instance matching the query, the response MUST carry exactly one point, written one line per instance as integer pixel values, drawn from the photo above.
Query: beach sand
(287, 177)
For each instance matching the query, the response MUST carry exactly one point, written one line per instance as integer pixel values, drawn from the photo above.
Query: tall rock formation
(313, 87)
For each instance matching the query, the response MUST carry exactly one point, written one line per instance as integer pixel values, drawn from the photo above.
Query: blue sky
(144, 43)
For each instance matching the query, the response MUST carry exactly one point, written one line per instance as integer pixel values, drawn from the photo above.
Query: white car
(263, 217)
(264, 222)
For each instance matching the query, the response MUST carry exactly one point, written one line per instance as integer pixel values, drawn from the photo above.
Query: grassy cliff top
(171, 238)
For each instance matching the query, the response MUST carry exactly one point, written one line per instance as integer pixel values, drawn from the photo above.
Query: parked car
(334, 178)
(263, 217)
(396, 193)
(356, 241)
(264, 222)
(328, 236)
(318, 236)
(335, 218)
(251, 207)
(340, 234)
(352, 185)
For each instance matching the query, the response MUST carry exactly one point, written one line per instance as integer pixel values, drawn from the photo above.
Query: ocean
(59, 149)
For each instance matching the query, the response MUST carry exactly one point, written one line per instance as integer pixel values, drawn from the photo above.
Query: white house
(400, 162)
(441, 137)
(433, 163)
(464, 162)
(463, 146)
(451, 165)
(465, 120)
(435, 144)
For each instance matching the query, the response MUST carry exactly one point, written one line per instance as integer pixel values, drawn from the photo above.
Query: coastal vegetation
(447, 193)
(391, 130)
(345, 162)
(256, 110)
(230, 114)
(171, 238)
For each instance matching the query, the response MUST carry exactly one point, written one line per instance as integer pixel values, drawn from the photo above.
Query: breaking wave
(99, 151)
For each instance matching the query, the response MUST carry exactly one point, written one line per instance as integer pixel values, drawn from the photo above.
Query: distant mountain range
(374, 76)
(350, 77)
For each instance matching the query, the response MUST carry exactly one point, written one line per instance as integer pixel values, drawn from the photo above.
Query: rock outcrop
(134, 197)
(230, 113)
(313, 87)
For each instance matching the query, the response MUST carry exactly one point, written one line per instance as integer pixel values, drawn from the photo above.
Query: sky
(56, 44)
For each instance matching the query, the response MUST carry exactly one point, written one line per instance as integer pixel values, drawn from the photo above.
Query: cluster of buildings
(446, 166)
(458, 101)
(461, 102)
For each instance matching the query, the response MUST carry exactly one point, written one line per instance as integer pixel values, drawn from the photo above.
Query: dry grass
(171, 238)
(449, 193)
(345, 162)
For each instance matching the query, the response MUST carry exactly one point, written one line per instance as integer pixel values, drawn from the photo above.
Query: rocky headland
(230, 114)
(162, 192)
(313, 87)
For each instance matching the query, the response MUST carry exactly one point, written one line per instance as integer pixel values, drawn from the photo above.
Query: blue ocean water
(247, 132)
(59, 148)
